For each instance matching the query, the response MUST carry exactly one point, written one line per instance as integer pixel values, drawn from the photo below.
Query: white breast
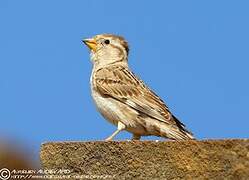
(115, 111)
(106, 106)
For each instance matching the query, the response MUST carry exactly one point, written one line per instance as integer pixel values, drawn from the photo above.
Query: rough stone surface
(208, 159)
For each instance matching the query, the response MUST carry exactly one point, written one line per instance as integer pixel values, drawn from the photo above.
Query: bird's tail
(179, 135)
(179, 132)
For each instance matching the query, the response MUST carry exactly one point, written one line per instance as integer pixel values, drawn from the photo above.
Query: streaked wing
(121, 84)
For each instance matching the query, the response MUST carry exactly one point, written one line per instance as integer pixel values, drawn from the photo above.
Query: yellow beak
(91, 44)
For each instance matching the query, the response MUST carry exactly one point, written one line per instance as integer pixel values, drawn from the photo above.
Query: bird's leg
(121, 127)
(136, 137)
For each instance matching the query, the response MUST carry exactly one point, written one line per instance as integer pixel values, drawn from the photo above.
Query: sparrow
(124, 99)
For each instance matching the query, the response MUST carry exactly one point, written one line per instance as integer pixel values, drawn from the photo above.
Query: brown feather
(124, 86)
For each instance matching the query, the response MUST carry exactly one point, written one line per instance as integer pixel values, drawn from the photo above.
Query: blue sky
(193, 54)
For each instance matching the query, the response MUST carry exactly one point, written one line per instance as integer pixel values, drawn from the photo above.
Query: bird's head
(107, 49)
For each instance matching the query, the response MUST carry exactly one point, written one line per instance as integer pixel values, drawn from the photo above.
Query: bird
(124, 99)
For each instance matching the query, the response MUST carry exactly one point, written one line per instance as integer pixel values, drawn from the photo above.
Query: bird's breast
(106, 107)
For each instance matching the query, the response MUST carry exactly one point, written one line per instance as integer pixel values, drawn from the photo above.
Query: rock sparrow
(122, 98)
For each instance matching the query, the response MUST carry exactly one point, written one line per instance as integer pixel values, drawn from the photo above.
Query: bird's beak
(91, 44)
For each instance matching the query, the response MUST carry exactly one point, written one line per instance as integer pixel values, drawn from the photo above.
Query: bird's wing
(120, 83)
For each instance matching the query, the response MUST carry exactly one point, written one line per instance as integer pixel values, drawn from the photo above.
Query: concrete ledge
(209, 159)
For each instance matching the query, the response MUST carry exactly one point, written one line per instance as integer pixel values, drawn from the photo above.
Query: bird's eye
(107, 41)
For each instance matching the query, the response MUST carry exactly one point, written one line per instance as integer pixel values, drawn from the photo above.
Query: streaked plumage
(123, 99)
